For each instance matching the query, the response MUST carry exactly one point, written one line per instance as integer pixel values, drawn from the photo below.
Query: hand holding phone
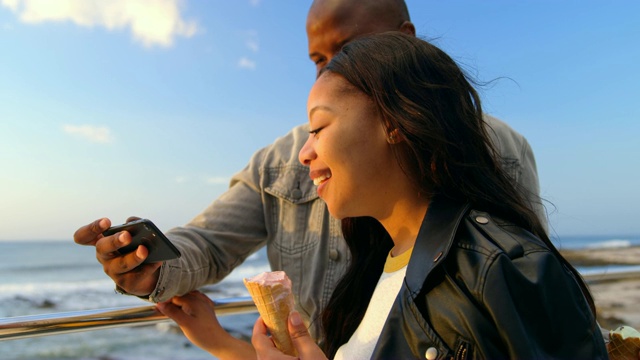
(144, 232)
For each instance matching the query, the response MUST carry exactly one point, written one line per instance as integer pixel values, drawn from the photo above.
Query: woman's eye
(315, 132)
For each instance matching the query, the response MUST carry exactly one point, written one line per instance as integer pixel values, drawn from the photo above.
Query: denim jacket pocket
(295, 212)
(291, 183)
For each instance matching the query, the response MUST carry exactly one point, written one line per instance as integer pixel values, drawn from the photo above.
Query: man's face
(329, 29)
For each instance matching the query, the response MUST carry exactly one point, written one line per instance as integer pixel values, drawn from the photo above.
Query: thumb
(302, 341)
(167, 308)
(172, 311)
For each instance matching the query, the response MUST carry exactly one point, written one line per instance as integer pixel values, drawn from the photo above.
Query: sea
(50, 277)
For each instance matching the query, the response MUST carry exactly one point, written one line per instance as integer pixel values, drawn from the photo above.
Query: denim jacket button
(431, 353)
(296, 194)
(334, 254)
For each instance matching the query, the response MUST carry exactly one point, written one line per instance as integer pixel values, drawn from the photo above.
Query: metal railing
(53, 324)
(75, 321)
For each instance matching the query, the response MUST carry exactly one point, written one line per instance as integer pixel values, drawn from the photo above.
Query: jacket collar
(434, 240)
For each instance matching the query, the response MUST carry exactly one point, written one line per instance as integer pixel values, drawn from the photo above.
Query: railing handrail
(75, 321)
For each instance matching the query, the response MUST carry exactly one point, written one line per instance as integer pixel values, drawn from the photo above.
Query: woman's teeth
(320, 179)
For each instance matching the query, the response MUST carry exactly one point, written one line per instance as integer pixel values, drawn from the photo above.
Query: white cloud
(151, 22)
(251, 41)
(11, 4)
(254, 2)
(218, 180)
(252, 45)
(181, 179)
(96, 134)
(245, 63)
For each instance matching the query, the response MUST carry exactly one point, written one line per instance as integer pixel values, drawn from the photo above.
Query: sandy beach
(617, 301)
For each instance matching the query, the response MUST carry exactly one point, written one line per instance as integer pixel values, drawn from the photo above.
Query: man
(273, 202)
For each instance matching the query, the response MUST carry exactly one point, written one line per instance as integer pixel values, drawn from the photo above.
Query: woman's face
(349, 157)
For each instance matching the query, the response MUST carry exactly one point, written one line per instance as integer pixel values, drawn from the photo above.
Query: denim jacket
(273, 202)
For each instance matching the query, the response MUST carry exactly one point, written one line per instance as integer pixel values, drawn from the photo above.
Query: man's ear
(408, 28)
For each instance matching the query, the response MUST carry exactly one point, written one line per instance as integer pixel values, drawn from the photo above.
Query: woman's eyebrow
(319, 107)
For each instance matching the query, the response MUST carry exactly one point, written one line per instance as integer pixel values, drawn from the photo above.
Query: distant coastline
(600, 256)
(616, 300)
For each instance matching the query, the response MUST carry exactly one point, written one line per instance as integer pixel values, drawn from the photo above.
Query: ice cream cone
(271, 292)
(624, 343)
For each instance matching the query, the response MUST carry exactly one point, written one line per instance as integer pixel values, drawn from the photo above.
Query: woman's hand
(304, 344)
(196, 316)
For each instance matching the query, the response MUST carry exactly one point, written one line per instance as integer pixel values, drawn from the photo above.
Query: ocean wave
(44, 268)
(40, 288)
(610, 244)
(24, 301)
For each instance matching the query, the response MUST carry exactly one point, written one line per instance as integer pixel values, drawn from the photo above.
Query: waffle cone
(624, 343)
(271, 292)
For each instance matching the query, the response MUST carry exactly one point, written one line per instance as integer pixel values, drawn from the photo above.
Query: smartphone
(144, 232)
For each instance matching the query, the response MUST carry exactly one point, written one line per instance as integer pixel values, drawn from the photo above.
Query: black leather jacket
(478, 287)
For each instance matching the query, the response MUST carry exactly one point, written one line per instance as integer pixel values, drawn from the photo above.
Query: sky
(147, 108)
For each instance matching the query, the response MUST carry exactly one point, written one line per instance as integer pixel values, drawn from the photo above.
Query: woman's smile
(317, 181)
(320, 178)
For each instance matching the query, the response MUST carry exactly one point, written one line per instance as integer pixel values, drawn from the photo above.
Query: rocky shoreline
(616, 300)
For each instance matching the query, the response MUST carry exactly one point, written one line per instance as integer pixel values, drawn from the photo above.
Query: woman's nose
(307, 153)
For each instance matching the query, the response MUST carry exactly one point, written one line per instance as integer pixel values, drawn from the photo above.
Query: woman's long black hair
(446, 149)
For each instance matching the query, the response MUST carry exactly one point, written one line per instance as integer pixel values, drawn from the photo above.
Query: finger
(89, 234)
(142, 252)
(132, 218)
(172, 311)
(115, 263)
(260, 340)
(297, 329)
(184, 299)
(137, 280)
(262, 343)
(108, 248)
(202, 299)
(302, 341)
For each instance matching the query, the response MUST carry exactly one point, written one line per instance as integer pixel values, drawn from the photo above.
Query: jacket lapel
(406, 333)
(434, 240)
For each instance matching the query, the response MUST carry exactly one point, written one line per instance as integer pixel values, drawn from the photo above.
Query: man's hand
(196, 316)
(304, 344)
(127, 271)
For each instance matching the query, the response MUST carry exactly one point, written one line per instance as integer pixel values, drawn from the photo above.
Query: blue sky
(147, 108)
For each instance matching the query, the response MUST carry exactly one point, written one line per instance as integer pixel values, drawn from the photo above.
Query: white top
(364, 339)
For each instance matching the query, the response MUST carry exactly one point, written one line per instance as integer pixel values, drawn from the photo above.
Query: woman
(399, 152)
